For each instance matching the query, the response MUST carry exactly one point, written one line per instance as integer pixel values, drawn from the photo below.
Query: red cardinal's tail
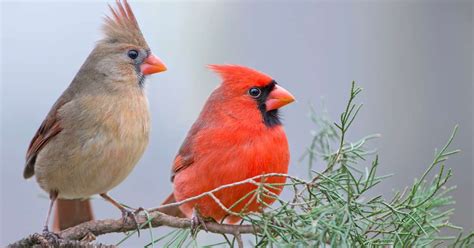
(173, 211)
(70, 213)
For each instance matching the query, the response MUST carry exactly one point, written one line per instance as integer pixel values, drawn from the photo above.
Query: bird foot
(51, 237)
(130, 215)
(198, 221)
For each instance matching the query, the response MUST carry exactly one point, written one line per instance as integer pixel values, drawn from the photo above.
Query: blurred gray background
(413, 59)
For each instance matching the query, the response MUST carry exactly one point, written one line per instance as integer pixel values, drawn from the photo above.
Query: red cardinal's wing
(181, 162)
(48, 129)
(185, 157)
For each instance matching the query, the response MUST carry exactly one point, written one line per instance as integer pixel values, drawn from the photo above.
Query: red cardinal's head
(248, 92)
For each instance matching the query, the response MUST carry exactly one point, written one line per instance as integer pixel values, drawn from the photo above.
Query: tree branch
(100, 227)
(156, 219)
(37, 240)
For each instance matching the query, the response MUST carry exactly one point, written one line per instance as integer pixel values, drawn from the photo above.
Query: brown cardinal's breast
(79, 163)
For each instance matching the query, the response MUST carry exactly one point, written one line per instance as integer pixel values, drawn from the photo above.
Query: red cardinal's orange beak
(278, 98)
(152, 64)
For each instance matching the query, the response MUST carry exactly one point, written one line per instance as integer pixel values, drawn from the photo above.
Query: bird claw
(127, 212)
(51, 237)
(197, 221)
(126, 215)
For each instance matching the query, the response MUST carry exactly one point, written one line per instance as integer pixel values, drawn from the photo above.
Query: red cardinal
(238, 135)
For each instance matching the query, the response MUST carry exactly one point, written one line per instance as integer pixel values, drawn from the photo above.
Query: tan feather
(122, 26)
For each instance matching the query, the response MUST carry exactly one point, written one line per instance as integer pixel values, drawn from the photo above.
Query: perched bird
(238, 135)
(98, 129)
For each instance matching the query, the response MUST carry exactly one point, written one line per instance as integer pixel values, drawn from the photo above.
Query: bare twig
(100, 227)
(238, 238)
(211, 192)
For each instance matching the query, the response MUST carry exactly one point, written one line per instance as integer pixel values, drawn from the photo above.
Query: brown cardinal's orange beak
(278, 98)
(152, 64)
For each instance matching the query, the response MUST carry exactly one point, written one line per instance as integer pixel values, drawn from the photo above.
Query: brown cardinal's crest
(122, 27)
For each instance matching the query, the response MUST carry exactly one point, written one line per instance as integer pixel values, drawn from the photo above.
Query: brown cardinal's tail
(173, 211)
(70, 213)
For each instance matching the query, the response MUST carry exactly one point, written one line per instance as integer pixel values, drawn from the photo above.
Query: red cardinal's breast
(222, 157)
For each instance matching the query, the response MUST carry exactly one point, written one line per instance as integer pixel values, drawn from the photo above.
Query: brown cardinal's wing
(48, 129)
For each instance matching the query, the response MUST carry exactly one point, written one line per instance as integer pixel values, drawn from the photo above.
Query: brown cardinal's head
(124, 53)
(250, 94)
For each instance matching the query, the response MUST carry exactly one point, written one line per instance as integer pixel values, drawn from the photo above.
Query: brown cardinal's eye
(255, 92)
(133, 54)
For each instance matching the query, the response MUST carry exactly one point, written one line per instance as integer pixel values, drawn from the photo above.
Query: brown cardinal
(238, 135)
(98, 129)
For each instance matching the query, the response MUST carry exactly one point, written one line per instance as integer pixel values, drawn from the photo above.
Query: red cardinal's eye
(255, 92)
(133, 54)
